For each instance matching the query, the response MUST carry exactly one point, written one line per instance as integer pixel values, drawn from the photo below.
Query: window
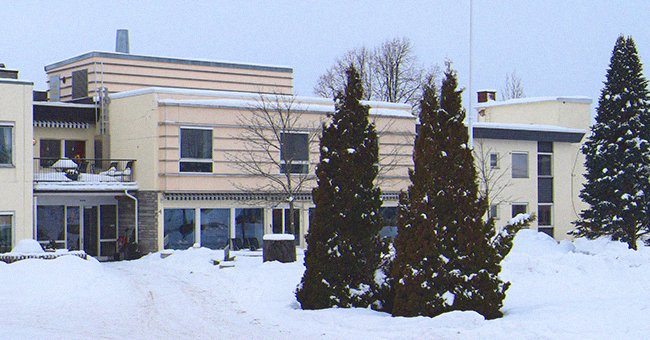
(75, 149)
(249, 227)
(389, 222)
(494, 211)
(544, 215)
(519, 165)
(519, 208)
(50, 151)
(545, 190)
(50, 225)
(6, 226)
(6, 145)
(215, 228)
(196, 150)
(544, 165)
(80, 84)
(179, 228)
(294, 153)
(494, 160)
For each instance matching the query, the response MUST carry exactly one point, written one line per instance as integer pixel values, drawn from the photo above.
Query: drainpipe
(135, 200)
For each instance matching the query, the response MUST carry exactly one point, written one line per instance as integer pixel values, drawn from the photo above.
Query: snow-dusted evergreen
(343, 243)
(447, 257)
(618, 153)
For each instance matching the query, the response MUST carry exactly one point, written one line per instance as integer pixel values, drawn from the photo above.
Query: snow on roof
(526, 127)
(85, 186)
(250, 100)
(528, 100)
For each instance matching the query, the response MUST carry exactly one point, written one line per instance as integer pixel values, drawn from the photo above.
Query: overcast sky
(556, 47)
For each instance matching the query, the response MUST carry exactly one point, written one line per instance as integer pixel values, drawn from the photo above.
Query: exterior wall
(149, 215)
(87, 135)
(16, 200)
(124, 72)
(564, 112)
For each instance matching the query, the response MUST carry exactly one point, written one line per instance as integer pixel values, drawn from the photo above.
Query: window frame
(513, 168)
(539, 215)
(512, 208)
(189, 160)
(302, 164)
(550, 164)
(12, 225)
(11, 126)
(495, 159)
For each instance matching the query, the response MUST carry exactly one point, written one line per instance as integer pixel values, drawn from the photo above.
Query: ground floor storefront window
(215, 228)
(179, 228)
(249, 228)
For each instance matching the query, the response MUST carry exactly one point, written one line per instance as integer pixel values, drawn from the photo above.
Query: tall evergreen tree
(343, 243)
(618, 153)
(447, 256)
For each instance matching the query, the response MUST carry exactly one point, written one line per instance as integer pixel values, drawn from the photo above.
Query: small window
(519, 165)
(80, 84)
(6, 145)
(6, 227)
(294, 153)
(75, 149)
(494, 160)
(544, 215)
(519, 208)
(494, 211)
(50, 151)
(546, 147)
(544, 168)
(196, 150)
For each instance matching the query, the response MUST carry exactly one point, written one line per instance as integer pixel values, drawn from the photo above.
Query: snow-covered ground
(580, 290)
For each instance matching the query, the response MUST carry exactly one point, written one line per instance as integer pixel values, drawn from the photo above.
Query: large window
(6, 145)
(249, 227)
(215, 228)
(196, 150)
(50, 151)
(50, 225)
(519, 165)
(6, 226)
(294, 154)
(179, 228)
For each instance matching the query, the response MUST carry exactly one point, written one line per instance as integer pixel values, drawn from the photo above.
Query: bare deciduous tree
(513, 88)
(389, 73)
(492, 176)
(272, 151)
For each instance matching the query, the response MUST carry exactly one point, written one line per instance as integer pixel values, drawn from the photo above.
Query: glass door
(90, 231)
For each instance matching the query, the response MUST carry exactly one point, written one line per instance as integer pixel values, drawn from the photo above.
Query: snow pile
(583, 289)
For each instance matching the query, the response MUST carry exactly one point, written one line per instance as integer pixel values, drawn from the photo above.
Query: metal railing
(83, 170)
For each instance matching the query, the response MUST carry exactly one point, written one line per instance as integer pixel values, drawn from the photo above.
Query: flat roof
(532, 132)
(171, 60)
(528, 100)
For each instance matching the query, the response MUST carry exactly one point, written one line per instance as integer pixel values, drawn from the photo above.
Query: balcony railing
(83, 170)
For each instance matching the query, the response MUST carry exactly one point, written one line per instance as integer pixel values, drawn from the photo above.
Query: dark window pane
(79, 84)
(72, 227)
(50, 151)
(277, 221)
(195, 167)
(545, 190)
(494, 160)
(299, 168)
(544, 212)
(519, 165)
(546, 230)
(108, 248)
(179, 228)
(249, 225)
(215, 228)
(544, 165)
(5, 233)
(294, 147)
(75, 149)
(196, 143)
(545, 147)
(108, 221)
(518, 209)
(50, 223)
(5, 145)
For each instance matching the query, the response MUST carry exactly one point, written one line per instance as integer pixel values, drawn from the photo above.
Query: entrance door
(90, 231)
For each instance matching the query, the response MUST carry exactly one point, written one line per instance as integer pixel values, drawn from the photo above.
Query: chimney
(122, 41)
(487, 96)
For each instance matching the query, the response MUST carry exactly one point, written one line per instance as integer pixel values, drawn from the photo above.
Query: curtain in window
(196, 143)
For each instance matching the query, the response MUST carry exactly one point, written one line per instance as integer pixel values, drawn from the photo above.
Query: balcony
(83, 171)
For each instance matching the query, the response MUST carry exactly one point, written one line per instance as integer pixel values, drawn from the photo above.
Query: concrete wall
(565, 112)
(16, 188)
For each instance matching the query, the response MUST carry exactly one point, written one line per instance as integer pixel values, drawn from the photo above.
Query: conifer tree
(618, 153)
(447, 256)
(343, 242)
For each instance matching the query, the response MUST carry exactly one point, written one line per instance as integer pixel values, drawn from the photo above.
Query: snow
(27, 246)
(278, 237)
(528, 100)
(582, 289)
(526, 127)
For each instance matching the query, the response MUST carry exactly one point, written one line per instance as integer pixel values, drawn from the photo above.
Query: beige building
(531, 148)
(189, 146)
(15, 159)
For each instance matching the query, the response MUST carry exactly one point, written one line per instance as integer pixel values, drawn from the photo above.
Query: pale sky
(557, 47)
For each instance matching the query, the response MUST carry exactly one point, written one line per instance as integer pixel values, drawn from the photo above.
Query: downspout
(135, 200)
